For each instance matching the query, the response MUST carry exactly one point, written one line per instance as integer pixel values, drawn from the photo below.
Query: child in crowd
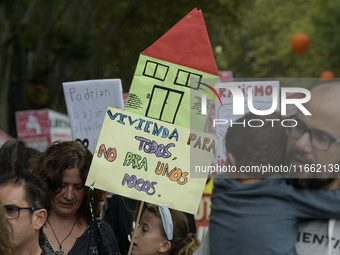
(253, 213)
(163, 231)
(121, 213)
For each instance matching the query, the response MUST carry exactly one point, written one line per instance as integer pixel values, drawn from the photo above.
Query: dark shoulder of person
(191, 223)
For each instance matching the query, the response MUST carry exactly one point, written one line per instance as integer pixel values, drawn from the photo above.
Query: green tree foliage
(260, 46)
(327, 34)
(68, 40)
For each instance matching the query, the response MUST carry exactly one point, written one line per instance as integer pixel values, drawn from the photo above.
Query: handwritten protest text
(139, 184)
(174, 175)
(152, 147)
(204, 146)
(134, 159)
(163, 131)
(110, 154)
(93, 93)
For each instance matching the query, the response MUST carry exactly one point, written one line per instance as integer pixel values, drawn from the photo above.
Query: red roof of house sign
(186, 44)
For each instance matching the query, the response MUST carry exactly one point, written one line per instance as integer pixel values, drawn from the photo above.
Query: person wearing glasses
(258, 213)
(24, 198)
(315, 142)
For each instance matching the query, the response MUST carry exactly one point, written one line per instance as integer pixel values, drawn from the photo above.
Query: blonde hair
(183, 242)
(5, 244)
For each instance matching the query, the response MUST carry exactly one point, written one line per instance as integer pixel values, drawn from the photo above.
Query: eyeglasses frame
(33, 208)
(307, 130)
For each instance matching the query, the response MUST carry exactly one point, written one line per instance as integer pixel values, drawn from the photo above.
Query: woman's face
(148, 238)
(68, 200)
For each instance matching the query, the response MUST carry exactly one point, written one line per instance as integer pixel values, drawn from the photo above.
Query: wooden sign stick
(136, 225)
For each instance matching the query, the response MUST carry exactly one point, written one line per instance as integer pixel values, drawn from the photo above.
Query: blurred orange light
(299, 43)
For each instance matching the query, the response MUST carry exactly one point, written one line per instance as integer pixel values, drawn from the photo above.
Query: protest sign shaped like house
(86, 103)
(150, 151)
(173, 73)
(39, 128)
(151, 160)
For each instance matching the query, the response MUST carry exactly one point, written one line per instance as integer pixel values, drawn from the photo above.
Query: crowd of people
(47, 209)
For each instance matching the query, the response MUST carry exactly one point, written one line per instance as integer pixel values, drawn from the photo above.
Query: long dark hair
(51, 164)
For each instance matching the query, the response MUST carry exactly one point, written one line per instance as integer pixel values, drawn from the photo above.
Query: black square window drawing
(155, 70)
(188, 79)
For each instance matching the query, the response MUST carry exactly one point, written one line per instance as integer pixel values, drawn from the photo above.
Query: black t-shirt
(86, 245)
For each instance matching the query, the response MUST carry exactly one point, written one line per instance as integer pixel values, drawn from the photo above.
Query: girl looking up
(164, 231)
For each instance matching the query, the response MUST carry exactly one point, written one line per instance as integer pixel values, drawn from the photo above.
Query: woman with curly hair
(69, 230)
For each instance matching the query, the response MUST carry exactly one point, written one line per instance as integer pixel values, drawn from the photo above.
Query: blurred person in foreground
(6, 246)
(316, 142)
(24, 197)
(65, 166)
(258, 212)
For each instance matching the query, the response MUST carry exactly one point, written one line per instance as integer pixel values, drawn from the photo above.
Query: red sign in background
(33, 127)
(4, 137)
